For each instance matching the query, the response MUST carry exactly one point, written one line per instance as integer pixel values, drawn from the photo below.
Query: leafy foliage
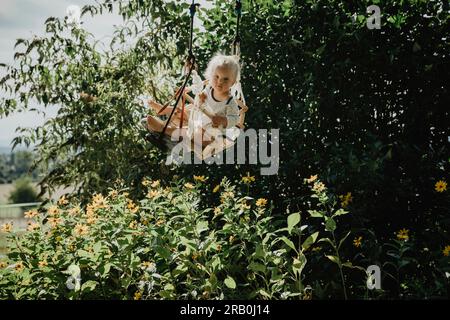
(366, 109)
(165, 246)
(23, 192)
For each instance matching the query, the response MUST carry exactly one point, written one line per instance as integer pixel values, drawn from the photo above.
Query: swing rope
(190, 63)
(237, 39)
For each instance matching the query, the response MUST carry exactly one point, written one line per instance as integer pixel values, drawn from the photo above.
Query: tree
(23, 192)
(367, 109)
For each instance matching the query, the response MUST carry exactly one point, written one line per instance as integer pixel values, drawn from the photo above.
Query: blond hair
(223, 61)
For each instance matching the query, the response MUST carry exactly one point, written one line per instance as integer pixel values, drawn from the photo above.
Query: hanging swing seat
(221, 141)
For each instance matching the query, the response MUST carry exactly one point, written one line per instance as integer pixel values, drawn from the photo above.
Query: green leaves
(288, 242)
(89, 286)
(330, 224)
(315, 214)
(21, 41)
(310, 241)
(292, 220)
(299, 264)
(334, 259)
(202, 226)
(339, 212)
(230, 283)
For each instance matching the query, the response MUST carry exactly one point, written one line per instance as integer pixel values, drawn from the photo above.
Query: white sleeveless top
(227, 108)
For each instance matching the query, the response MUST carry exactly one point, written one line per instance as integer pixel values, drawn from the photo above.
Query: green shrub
(165, 246)
(23, 192)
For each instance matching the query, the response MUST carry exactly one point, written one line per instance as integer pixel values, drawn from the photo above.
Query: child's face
(222, 80)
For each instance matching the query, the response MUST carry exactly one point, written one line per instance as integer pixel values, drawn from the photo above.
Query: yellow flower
(137, 295)
(312, 178)
(81, 229)
(319, 187)
(261, 202)
(54, 222)
(91, 219)
(113, 194)
(217, 211)
(195, 256)
(245, 206)
(160, 222)
(226, 195)
(98, 201)
(231, 239)
(357, 242)
(248, 178)
(74, 211)
(133, 224)
(218, 247)
(3, 264)
(43, 263)
(32, 226)
(446, 251)
(62, 201)
(153, 194)
(132, 206)
(7, 227)
(31, 214)
(155, 184)
(200, 178)
(53, 211)
(189, 185)
(146, 182)
(346, 199)
(440, 186)
(90, 210)
(216, 188)
(19, 266)
(148, 266)
(403, 234)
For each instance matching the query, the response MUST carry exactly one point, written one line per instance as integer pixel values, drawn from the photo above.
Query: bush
(164, 246)
(23, 192)
(169, 246)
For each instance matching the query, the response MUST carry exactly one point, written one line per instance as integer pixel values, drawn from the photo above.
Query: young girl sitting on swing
(213, 111)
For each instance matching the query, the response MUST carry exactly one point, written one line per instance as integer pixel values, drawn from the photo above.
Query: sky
(24, 18)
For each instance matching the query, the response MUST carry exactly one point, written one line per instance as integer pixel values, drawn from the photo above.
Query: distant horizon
(5, 149)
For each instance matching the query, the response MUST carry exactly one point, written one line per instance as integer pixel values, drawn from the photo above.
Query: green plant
(165, 246)
(326, 211)
(23, 192)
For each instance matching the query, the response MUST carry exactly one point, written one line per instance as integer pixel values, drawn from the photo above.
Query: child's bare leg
(157, 125)
(158, 107)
